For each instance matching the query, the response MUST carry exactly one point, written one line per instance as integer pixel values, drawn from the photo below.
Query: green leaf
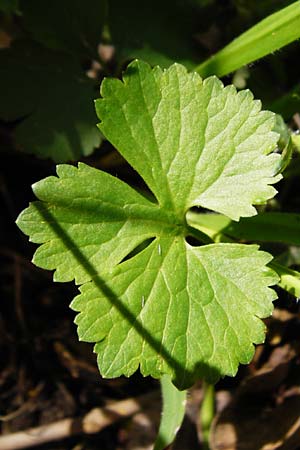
(170, 126)
(265, 227)
(172, 308)
(54, 99)
(158, 32)
(107, 220)
(174, 402)
(72, 25)
(199, 304)
(269, 35)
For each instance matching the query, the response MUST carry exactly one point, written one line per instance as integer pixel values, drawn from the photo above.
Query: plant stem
(289, 279)
(207, 413)
(199, 235)
(172, 414)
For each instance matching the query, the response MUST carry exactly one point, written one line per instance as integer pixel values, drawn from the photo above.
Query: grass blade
(271, 34)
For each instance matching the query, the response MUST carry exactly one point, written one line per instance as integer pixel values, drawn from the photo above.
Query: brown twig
(93, 422)
(71, 363)
(29, 405)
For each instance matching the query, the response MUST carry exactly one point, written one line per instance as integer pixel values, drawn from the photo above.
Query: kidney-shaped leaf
(51, 98)
(72, 26)
(169, 307)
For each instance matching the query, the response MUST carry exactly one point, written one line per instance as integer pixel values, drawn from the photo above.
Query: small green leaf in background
(43, 85)
(73, 26)
(288, 104)
(265, 227)
(10, 6)
(55, 100)
(284, 132)
(187, 311)
(160, 32)
(269, 35)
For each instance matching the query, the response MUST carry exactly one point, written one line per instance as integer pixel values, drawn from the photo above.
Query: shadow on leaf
(182, 377)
